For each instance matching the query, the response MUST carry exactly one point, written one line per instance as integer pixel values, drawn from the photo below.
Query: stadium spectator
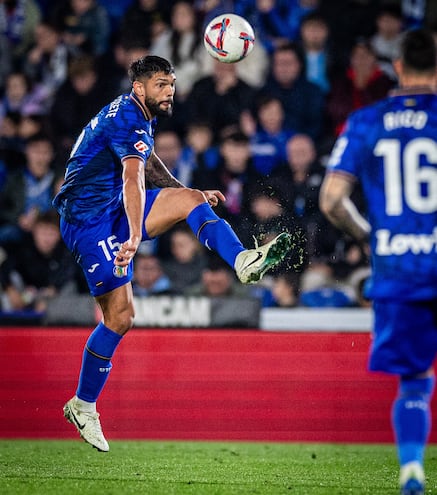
(414, 12)
(39, 269)
(85, 26)
(5, 61)
(387, 39)
(114, 64)
(147, 19)
(220, 98)
(18, 19)
(11, 146)
(186, 258)
(349, 20)
(149, 278)
(362, 83)
(116, 11)
(17, 96)
(199, 149)
(267, 134)
(285, 290)
(264, 214)
(234, 175)
(32, 124)
(218, 280)
(319, 58)
(182, 44)
(28, 191)
(276, 22)
(298, 184)
(46, 63)
(303, 101)
(76, 102)
(299, 181)
(168, 146)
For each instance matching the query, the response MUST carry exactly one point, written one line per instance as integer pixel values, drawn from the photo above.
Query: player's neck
(417, 83)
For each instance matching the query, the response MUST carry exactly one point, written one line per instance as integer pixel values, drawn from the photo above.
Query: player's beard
(153, 106)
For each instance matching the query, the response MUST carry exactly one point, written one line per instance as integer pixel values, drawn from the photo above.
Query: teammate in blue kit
(391, 149)
(106, 212)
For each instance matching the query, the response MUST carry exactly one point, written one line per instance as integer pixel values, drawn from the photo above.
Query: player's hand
(213, 197)
(127, 251)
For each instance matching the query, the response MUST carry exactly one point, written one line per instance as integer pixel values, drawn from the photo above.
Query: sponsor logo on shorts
(141, 146)
(120, 271)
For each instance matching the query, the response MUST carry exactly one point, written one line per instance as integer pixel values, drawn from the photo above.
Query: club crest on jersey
(119, 271)
(141, 146)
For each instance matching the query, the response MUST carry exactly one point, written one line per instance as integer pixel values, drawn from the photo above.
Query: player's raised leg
(215, 233)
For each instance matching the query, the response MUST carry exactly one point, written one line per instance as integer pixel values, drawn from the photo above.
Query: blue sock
(215, 233)
(412, 418)
(96, 362)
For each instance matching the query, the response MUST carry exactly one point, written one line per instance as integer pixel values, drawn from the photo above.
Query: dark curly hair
(149, 65)
(418, 51)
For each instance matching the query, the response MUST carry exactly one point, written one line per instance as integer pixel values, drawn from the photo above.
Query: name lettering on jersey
(141, 146)
(113, 107)
(405, 118)
(398, 244)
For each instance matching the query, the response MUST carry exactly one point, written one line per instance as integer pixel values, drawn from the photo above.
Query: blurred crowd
(259, 130)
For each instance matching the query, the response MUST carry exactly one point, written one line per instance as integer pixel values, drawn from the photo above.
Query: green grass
(210, 468)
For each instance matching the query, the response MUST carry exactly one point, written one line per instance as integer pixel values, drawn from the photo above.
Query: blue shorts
(94, 247)
(405, 337)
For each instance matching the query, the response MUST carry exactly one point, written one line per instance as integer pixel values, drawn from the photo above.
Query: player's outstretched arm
(158, 174)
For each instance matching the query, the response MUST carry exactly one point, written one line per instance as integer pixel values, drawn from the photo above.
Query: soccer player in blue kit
(390, 147)
(106, 212)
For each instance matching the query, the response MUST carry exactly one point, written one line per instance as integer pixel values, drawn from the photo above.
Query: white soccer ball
(229, 38)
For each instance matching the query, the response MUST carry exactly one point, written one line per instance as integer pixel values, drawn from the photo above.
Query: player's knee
(197, 197)
(122, 321)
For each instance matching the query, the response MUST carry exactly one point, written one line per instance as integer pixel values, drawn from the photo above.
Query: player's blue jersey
(93, 179)
(391, 148)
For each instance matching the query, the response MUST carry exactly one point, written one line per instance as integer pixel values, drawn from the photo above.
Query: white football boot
(412, 479)
(251, 264)
(87, 424)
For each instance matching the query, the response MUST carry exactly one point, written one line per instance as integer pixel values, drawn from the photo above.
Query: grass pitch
(212, 468)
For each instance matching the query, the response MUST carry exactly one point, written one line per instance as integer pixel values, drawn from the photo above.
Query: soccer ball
(229, 38)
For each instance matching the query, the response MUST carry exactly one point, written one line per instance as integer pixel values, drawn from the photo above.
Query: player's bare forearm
(347, 218)
(158, 174)
(133, 201)
(337, 206)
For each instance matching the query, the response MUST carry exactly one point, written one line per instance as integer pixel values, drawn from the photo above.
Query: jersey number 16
(405, 176)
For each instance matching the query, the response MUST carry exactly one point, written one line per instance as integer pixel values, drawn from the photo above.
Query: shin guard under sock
(96, 362)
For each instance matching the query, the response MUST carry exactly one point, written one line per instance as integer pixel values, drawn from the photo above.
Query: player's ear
(138, 88)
